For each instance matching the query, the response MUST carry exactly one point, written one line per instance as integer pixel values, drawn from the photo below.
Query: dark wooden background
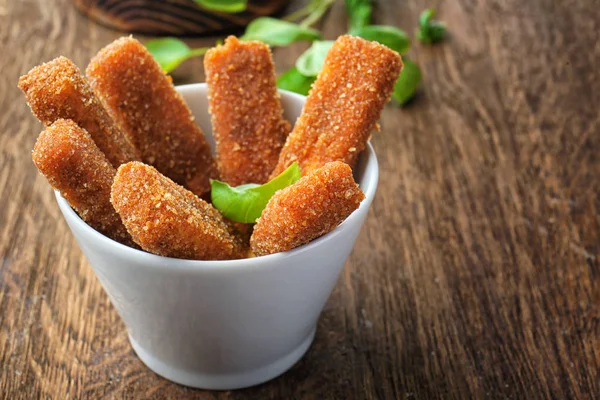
(476, 275)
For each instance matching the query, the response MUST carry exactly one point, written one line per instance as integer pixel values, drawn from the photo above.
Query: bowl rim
(370, 187)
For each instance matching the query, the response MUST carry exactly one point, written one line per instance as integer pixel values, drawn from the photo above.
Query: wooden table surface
(476, 275)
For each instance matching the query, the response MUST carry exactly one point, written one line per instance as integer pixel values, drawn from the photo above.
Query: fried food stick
(169, 220)
(70, 160)
(343, 105)
(146, 106)
(246, 114)
(57, 90)
(306, 210)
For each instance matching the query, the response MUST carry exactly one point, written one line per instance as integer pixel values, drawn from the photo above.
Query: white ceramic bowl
(224, 324)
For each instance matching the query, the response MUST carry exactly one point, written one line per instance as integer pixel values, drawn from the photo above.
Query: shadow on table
(348, 362)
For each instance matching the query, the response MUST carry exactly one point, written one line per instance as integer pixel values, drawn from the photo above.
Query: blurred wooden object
(172, 17)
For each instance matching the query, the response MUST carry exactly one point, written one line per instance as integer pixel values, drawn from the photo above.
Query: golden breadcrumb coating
(68, 157)
(146, 106)
(169, 220)
(343, 105)
(306, 210)
(57, 89)
(247, 117)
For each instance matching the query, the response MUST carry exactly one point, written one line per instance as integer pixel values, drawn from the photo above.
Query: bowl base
(223, 381)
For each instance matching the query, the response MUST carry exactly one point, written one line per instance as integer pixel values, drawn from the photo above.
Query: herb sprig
(245, 203)
(228, 6)
(277, 32)
(298, 26)
(170, 52)
(430, 30)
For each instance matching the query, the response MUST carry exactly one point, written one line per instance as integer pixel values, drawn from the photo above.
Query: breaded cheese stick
(57, 89)
(343, 106)
(146, 106)
(306, 210)
(68, 157)
(247, 117)
(169, 220)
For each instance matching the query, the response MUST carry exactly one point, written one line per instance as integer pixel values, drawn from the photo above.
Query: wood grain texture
(172, 17)
(476, 275)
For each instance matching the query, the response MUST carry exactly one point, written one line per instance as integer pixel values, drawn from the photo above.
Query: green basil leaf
(392, 37)
(170, 52)
(407, 82)
(311, 61)
(436, 31)
(359, 13)
(426, 16)
(276, 32)
(246, 203)
(294, 81)
(228, 6)
(430, 30)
